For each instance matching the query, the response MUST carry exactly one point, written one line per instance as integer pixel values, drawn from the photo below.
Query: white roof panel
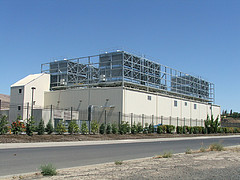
(26, 80)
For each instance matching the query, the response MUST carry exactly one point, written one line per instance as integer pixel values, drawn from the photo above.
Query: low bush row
(95, 128)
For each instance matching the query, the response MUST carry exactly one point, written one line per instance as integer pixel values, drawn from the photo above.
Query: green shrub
(170, 128)
(188, 151)
(60, 129)
(160, 129)
(40, 128)
(179, 129)
(231, 130)
(17, 126)
(48, 170)
(185, 128)
(124, 128)
(164, 128)
(216, 147)
(190, 130)
(211, 124)
(202, 149)
(109, 129)
(151, 128)
(139, 128)
(118, 162)
(30, 126)
(114, 128)
(134, 129)
(49, 128)
(102, 129)
(73, 127)
(220, 130)
(94, 127)
(167, 155)
(146, 129)
(84, 128)
(197, 130)
(3, 124)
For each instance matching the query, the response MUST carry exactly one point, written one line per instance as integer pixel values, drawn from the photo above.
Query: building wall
(194, 113)
(102, 99)
(24, 99)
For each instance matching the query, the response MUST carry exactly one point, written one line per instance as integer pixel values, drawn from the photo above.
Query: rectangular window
(19, 108)
(185, 103)
(20, 91)
(175, 103)
(195, 106)
(149, 98)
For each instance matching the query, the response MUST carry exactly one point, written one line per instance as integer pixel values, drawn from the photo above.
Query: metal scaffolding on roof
(121, 68)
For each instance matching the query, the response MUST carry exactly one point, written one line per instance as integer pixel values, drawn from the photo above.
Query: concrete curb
(87, 143)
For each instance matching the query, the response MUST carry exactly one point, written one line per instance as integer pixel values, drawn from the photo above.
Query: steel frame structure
(120, 68)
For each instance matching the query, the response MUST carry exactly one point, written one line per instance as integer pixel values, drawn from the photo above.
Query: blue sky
(197, 37)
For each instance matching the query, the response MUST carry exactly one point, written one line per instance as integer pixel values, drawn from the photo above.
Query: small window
(20, 91)
(19, 108)
(185, 103)
(175, 103)
(195, 106)
(149, 98)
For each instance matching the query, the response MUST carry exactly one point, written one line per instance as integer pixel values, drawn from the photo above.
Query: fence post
(184, 122)
(177, 121)
(119, 118)
(71, 113)
(131, 119)
(170, 120)
(202, 122)
(161, 120)
(196, 122)
(152, 119)
(190, 122)
(51, 113)
(142, 120)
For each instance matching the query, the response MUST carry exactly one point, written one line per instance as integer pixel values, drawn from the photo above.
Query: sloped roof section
(28, 79)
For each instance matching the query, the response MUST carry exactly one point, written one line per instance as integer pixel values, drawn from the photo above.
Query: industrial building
(113, 87)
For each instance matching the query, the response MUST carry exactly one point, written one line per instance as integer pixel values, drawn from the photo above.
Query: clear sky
(197, 37)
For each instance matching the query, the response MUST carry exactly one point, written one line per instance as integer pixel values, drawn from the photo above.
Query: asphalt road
(24, 160)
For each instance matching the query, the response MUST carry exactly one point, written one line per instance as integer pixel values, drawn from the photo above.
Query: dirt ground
(10, 138)
(219, 165)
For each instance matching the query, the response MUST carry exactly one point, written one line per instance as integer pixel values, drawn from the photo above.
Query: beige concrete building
(113, 87)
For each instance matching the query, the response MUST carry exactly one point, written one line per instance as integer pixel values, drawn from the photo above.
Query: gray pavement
(23, 158)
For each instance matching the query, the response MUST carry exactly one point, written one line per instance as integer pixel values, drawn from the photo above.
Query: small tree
(124, 128)
(102, 129)
(73, 127)
(146, 129)
(211, 125)
(41, 128)
(94, 127)
(114, 128)
(30, 126)
(134, 129)
(151, 128)
(84, 128)
(139, 128)
(60, 129)
(49, 128)
(3, 124)
(109, 129)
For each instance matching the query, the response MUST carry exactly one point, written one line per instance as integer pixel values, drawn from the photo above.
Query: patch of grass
(188, 151)
(118, 162)
(216, 147)
(167, 155)
(48, 170)
(202, 149)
